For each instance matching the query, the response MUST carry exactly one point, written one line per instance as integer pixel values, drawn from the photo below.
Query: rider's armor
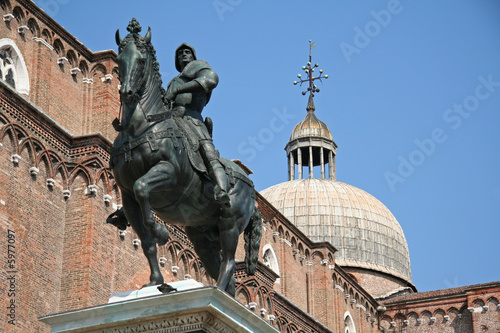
(188, 107)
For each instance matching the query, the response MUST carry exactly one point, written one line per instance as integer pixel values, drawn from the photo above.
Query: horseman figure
(164, 162)
(187, 94)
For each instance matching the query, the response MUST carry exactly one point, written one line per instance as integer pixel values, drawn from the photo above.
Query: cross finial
(309, 69)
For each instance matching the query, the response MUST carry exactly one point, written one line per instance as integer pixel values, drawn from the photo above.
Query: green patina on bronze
(164, 161)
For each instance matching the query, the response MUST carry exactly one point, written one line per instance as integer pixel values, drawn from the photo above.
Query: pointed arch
(59, 47)
(34, 27)
(270, 259)
(47, 36)
(19, 15)
(84, 67)
(5, 5)
(80, 171)
(13, 61)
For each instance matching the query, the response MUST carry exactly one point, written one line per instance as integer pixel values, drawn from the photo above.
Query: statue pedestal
(199, 310)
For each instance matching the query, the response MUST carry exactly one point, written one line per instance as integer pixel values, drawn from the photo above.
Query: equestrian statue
(165, 163)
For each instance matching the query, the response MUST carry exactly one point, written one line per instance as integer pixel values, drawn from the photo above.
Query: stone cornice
(65, 35)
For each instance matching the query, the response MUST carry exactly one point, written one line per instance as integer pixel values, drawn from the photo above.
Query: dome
(365, 233)
(311, 126)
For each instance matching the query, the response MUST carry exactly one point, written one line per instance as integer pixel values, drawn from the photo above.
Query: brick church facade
(57, 103)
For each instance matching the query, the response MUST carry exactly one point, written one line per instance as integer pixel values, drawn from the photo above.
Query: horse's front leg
(159, 176)
(132, 211)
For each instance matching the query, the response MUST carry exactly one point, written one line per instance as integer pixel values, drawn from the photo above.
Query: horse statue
(151, 165)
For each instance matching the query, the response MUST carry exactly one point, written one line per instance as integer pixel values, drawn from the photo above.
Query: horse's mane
(145, 47)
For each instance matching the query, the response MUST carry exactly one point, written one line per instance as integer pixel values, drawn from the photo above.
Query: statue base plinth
(199, 310)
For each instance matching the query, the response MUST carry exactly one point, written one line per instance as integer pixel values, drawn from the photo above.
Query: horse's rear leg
(134, 215)
(157, 177)
(207, 246)
(228, 233)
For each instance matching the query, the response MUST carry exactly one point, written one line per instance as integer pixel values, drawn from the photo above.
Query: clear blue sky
(412, 100)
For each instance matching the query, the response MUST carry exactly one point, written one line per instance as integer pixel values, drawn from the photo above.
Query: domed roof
(311, 126)
(363, 230)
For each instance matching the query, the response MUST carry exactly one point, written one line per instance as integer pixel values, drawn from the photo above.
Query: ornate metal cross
(309, 69)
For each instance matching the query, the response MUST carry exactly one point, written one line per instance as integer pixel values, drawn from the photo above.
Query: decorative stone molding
(187, 277)
(263, 312)
(324, 262)
(346, 296)
(302, 258)
(15, 158)
(50, 183)
(419, 321)
(286, 241)
(485, 308)
(66, 194)
(353, 301)
(34, 171)
(107, 78)
(331, 267)
(368, 315)
(75, 70)
(432, 320)
(107, 198)
(92, 189)
(43, 42)
(372, 320)
(136, 242)
(339, 287)
(406, 322)
(295, 251)
(62, 60)
(360, 306)
(271, 318)
(174, 269)
(393, 324)
(446, 318)
(87, 80)
(309, 263)
(8, 17)
(22, 29)
(471, 309)
(122, 234)
(252, 305)
(276, 234)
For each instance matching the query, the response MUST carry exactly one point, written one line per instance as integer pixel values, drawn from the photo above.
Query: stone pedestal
(199, 310)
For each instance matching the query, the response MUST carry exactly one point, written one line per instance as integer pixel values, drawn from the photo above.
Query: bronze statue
(156, 163)
(187, 94)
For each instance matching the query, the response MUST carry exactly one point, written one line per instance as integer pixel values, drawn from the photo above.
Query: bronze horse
(153, 171)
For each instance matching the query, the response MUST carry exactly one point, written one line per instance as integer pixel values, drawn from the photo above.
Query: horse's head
(132, 59)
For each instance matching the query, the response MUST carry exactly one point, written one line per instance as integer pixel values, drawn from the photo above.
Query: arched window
(270, 260)
(12, 66)
(349, 323)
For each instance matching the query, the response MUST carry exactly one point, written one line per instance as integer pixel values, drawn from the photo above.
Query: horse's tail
(253, 234)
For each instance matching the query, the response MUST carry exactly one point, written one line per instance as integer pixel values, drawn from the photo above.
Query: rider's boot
(218, 174)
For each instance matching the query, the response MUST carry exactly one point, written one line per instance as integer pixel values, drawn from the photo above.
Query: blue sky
(412, 101)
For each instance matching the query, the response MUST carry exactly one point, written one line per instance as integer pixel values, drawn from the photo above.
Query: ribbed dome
(363, 230)
(311, 127)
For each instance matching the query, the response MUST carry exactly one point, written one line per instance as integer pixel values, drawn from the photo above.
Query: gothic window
(7, 70)
(12, 66)
(270, 260)
(349, 326)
